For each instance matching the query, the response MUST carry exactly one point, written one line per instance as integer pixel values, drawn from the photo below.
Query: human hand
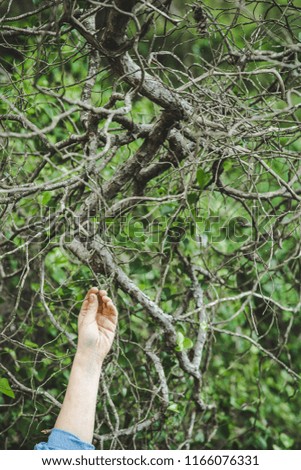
(97, 323)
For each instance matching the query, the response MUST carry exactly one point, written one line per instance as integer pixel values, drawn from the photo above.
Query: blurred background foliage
(236, 243)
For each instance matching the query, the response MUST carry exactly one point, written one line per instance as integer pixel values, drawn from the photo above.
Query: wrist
(87, 362)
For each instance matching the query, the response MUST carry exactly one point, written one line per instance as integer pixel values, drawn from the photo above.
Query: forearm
(77, 414)
(96, 329)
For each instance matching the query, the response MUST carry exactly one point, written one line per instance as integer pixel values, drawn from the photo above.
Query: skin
(97, 323)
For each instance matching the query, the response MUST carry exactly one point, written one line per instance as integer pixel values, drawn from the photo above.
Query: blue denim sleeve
(63, 440)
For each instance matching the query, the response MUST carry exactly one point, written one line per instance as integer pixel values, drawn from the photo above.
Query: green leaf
(228, 164)
(202, 178)
(199, 437)
(183, 342)
(59, 275)
(187, 343)
(286, 440)
(5, 388)
(46, 197)
(180, 341)
(30, 344)
(192, 198)
(173, 407)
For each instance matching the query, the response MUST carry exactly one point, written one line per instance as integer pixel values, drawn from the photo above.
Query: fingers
(92, 290)
(102, 292)
(95, 290)
(109, 308)
(95, 298)
(112, 310)
(90, 302)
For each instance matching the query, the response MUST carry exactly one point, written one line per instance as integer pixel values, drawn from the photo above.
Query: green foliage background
(253, 401)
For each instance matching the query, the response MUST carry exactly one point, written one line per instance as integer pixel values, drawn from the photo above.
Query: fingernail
(92, 298)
